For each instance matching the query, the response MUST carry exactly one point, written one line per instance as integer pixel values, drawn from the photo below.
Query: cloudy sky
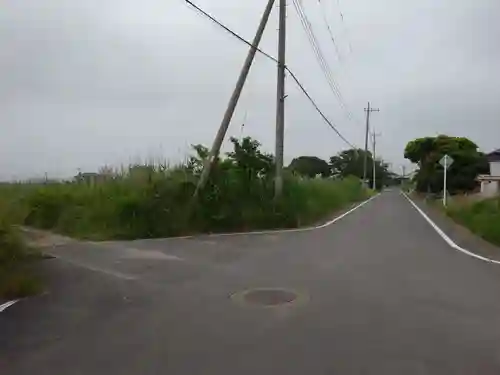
(94, 82)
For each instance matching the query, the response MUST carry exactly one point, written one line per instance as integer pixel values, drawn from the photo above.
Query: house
(490, 183)
(90, 178)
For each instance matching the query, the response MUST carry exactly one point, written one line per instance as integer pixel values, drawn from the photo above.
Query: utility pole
(368, 110)
(280, 101)
(243, 125)
(233, 101)
(445, 179)
(374, 135)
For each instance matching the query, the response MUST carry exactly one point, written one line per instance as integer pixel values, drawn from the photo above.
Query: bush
(16, 274)
(481, 217)
(148, 201)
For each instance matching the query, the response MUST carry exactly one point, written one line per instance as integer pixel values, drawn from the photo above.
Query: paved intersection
(380, 293)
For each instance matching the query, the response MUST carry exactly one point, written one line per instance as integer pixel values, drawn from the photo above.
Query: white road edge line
(445, 237)
(6, 305)
(128, 277)
(276, 231)
(105, 271)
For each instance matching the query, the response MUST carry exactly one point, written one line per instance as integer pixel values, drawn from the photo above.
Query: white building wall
(489, 188)
(495, 168)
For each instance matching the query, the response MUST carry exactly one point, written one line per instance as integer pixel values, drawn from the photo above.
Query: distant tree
(426, 153)
(310, 166)
(351, 163)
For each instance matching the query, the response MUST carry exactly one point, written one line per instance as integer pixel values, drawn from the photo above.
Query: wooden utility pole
(233, 101)
(368, 110)
(374, 135)
(280, 101)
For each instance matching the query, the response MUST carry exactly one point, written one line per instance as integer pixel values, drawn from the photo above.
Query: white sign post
(446, 161)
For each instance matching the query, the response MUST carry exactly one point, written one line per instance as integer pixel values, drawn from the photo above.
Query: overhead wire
(344, 26)
(320, 57)
(330, 32)
(270, 57)
(220, 24)
(325, 68)
(317, 108)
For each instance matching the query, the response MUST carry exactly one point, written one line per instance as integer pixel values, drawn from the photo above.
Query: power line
(306, 25)
(344, 26)
(330, 32)
(294, 77)
(325, 67)
(319, 110)
(220, 24)
(233, 102)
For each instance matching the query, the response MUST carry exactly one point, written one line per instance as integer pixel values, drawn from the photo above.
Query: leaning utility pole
(374, 135)
(365, 160)
(280, 101)
(233, 101)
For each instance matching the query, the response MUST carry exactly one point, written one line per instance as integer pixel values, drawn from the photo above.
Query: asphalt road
(379, 293)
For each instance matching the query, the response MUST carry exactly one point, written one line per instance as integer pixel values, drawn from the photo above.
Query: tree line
(346, 163)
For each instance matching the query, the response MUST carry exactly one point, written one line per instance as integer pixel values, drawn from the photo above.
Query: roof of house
(494, 155)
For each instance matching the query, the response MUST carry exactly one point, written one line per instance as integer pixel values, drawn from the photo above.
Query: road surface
(378, 292)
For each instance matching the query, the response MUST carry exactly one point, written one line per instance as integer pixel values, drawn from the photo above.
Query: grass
(125, 209)
(147, 201)
(481, 217)
(17, 272)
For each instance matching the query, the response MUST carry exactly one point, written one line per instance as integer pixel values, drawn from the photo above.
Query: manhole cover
(267, 297)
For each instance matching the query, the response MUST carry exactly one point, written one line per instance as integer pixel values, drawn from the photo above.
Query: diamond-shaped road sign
(446, 161)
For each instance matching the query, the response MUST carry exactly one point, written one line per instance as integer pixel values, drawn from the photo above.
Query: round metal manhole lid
(267, 297)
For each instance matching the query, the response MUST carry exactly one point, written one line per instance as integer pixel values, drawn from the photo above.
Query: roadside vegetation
(426, 153)
(155, 200)
(481, 217)
(17, 275)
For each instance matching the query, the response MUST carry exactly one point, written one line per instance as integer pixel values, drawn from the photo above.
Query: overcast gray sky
(94, 82)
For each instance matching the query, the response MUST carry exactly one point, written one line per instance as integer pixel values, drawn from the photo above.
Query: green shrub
(148, 201)
(16, 274)
(482, 218)
(19, 282)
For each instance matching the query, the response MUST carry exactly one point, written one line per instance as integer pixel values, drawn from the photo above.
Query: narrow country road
(378, 292)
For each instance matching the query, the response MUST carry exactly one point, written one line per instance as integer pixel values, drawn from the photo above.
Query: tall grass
(155, 201)
(17, 278)
(481, 217)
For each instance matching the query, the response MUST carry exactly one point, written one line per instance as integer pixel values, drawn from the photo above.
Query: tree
(351, 163)
(245, 163)
(426, 153)
(310, 166)
(249, 160)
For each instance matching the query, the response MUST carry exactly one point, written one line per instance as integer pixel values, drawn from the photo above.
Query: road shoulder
(459, 234)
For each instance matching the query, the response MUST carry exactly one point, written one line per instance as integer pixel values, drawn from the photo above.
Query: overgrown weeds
(153, 201)
(17, 277)
(481, 217)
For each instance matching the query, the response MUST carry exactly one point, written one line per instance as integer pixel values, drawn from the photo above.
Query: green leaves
(151, 201)
(426, 152)
(310, 166)
(351, 163)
